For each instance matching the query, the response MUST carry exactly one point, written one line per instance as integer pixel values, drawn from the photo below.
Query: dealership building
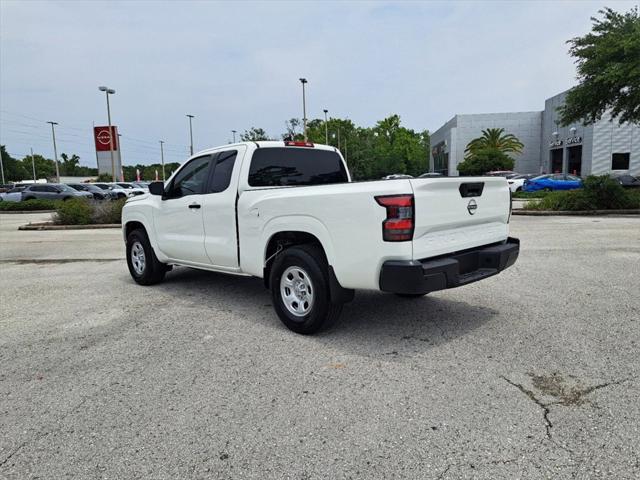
(604, 147)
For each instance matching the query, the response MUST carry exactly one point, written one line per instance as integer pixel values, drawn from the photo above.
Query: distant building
(604, 147)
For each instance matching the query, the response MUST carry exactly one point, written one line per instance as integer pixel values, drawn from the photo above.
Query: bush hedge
(85, 212)
(29, 205)
(599, 193)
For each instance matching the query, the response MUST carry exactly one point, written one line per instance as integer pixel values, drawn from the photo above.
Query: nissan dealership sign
(102, 138)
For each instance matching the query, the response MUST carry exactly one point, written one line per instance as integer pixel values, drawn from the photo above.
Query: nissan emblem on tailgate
(472, 206)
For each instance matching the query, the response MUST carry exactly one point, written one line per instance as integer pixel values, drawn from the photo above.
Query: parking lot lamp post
(326, 127)
(162, 158)
(190, 133)
(2, 169)
(304, 108)
(33, 166)
(110, 91)
(55, 150)
(234, 135)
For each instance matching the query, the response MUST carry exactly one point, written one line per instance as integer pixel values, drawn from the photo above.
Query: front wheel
(300, 290)
(144, 266)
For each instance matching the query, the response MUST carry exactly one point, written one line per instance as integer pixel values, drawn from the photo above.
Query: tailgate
(456, 213)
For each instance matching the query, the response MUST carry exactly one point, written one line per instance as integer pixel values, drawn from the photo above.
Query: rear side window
(272, 167)
(222, 171)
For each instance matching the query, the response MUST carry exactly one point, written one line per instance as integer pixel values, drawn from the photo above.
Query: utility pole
(190, 134)
(304, 108)
(326, 127)
(2, 169)
(55, 150)
(162, 158)
(110, 91)
(234, 135)
(120, 153)
(33, 165)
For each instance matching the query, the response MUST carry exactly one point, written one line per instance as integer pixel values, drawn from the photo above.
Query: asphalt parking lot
(530, 374)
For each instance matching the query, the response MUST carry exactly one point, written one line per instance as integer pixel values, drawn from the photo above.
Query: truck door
(219, 208)
(178, 219)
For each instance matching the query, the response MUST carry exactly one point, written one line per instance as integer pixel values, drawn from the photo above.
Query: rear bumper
(448, 271)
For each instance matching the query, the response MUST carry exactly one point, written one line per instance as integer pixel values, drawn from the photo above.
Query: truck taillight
(398, 227)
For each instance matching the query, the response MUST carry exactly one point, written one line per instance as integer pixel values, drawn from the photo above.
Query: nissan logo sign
(103, 137)
(472, 206)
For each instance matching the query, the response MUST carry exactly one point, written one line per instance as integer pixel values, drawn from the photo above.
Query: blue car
(553, 181)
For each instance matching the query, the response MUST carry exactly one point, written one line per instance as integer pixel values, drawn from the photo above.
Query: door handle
(194, 205)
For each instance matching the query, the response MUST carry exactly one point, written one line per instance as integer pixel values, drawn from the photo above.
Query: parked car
(141, 184)
(502, 173)
(130, 189)
(628, 181)
(288, 213)
(97, 192)
(552, 181)
(13, 195)
(430, 174)
(52, 191)
(396, 176)
(116, 190)
(516, 183)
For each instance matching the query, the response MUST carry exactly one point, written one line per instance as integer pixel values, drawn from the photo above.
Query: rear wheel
(300, 290)
(546, 189)
(144, 266)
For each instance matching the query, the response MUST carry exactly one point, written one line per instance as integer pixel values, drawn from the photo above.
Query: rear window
(273, 167)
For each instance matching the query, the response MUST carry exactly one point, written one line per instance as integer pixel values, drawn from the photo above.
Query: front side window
(192, 179)
(620, 161)
(223, 170)
(272, 167)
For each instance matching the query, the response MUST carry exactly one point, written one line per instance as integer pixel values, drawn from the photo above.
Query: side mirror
(156, 188)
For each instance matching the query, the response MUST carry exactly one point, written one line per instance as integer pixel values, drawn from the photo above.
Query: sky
(235, 65)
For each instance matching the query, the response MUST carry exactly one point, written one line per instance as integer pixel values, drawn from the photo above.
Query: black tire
(322, 313)
(153, 270)
(519, 189)
(546, 189)
(29, 198)
(121, 195)
(410, 295)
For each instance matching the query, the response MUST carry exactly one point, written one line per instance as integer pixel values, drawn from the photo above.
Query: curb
(51, 226)
(15, 212)
(550, 213)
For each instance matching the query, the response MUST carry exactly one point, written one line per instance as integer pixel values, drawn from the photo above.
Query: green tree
(14, 171)
(254, 134)
(608, 63)
(485, 160)
(45, 168)
(494, 138)
(69, 164)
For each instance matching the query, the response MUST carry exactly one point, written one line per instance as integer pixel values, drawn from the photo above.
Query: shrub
(28, 206)
(108, 212)
(75, 211)
(485, 160)
(537, 194)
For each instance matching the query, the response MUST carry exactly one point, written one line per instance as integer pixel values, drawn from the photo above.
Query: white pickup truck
(288, 212)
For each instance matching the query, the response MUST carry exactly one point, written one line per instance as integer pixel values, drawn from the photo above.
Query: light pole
(190, 134)
(55, 149)
(121, 161)
(162, 158)
(110, 91)
(2, 169)
(304, 108)
(33, 166)
(234, 135)
(326, 127)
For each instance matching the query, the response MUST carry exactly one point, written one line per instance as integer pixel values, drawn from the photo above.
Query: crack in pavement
(554, 386)
(534, 399)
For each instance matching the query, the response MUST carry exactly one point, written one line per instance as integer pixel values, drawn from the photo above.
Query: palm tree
(494, 138)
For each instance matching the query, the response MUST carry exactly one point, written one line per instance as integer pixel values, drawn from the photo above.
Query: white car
(13, 195)
(288, 213)
(516, 183)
